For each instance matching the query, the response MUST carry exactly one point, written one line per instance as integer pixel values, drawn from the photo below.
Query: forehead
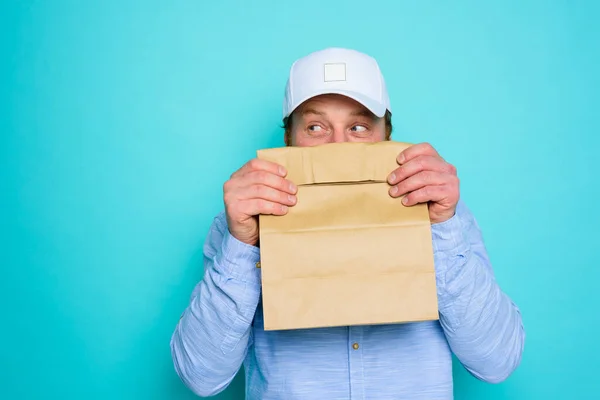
(333, 103)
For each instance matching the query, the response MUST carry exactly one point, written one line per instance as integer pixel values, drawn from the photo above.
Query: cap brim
(372, 105)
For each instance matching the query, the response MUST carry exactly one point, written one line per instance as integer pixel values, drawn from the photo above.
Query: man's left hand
(425, 177)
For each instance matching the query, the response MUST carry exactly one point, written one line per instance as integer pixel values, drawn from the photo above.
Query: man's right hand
(259, 187)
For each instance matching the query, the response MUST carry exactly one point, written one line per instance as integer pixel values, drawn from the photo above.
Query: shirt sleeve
(482, 325)
(212, 337)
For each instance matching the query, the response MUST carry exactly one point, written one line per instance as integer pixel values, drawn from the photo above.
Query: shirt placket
(356, 349)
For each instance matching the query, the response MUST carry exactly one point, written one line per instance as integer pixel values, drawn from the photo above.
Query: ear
(388, 125)
(287, 126)
(287, 137)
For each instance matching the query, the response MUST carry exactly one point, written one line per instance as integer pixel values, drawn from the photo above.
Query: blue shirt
(222, 329)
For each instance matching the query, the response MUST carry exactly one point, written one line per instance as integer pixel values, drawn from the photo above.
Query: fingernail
(401, 159)
(281, 171)
(284, 208)
(392, 178)
(292, 188)
(394, 190)
(405, 200)
(292, 199)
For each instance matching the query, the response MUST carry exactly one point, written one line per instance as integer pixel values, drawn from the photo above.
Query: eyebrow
(312, 111)
(363, 113)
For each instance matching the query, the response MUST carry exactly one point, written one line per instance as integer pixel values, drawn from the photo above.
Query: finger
(421, 149)
(415, 182)
(261, 206)
(266, 193)
(256, 164)
(426, 194)
(268, 179)
(418, 164)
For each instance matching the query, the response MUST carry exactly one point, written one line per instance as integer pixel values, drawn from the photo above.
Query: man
(339, 95)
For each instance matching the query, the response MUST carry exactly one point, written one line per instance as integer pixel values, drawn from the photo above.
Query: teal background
(120, 121)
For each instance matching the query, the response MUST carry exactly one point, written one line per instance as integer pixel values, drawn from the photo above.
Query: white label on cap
(335, 72)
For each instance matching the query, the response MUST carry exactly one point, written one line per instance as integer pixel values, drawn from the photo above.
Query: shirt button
(355, 346)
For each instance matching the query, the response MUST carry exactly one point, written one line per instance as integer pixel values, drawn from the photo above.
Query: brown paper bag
(347, 253)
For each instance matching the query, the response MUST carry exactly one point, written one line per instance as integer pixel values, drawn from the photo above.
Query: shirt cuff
(240, 260)
(449, 237)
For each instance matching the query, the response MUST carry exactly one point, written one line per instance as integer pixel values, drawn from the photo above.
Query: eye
(315, 128)
(358, 128)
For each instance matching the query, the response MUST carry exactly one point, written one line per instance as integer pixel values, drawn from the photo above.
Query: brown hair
(287, 126)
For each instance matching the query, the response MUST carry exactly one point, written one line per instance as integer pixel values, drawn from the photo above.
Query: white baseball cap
(337, 71)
